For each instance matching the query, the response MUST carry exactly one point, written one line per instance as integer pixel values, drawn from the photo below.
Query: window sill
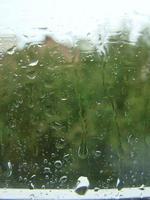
(64, 194)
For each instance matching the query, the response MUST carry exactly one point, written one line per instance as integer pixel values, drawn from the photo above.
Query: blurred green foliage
(95, 112)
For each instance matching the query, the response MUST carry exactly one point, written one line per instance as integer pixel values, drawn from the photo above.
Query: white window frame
(68, 194)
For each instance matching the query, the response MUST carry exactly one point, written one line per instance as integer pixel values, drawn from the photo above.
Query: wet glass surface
(70, 111)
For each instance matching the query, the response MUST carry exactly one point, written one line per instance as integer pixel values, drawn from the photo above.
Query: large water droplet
(33, 176)
(11, 51)
(33, 63)
(142, 187)
(63, 179)
(31, 185)
(119, 184)
(9, 171)
(82, 185)
(66, 157)
(96, 189)
(58, 164)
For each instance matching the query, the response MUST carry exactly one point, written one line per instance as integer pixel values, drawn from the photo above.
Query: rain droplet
(98, 154)
(53, 155)
(31, 77)
(64, 99)
(66, 157)
(82, 185)
(63, 179)
(119, 184)
(31, 186)
(47, 170)
(60, 144)
(25, 165)
(43, 187)
(20, 178)
(46, 177)
(33, 63)
(25, 179)
(11, 51)
(96, 189)
(9, 171)
(33, 176)
(142, 187)
(23, 67)
(58, 164)
(45, 161)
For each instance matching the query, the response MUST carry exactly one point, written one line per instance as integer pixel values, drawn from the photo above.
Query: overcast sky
(69, 19)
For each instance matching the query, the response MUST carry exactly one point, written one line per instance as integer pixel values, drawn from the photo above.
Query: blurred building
(70, 54)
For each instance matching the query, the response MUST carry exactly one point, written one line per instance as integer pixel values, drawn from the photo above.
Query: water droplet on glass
(11, 51)
(96, 189)
(53, 155)
(31, 77)
(66, 157)
(31, 185)
(98, 154)
(63, 179)
(47, 170)
(119, 184)
(101, 171)
(142, 187)
(23, 66)
(20, 179)
(64, 99)
(9, 169)
(58, 164)
(43, 187)
(33, 63)
(60, 144)
(33, 176)
(82, 185)
(25, 165)
(46, 177)
(45, 161)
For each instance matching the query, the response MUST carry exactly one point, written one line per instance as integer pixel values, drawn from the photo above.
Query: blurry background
(74, 93)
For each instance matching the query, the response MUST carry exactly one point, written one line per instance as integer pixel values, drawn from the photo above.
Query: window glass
(74, 93)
